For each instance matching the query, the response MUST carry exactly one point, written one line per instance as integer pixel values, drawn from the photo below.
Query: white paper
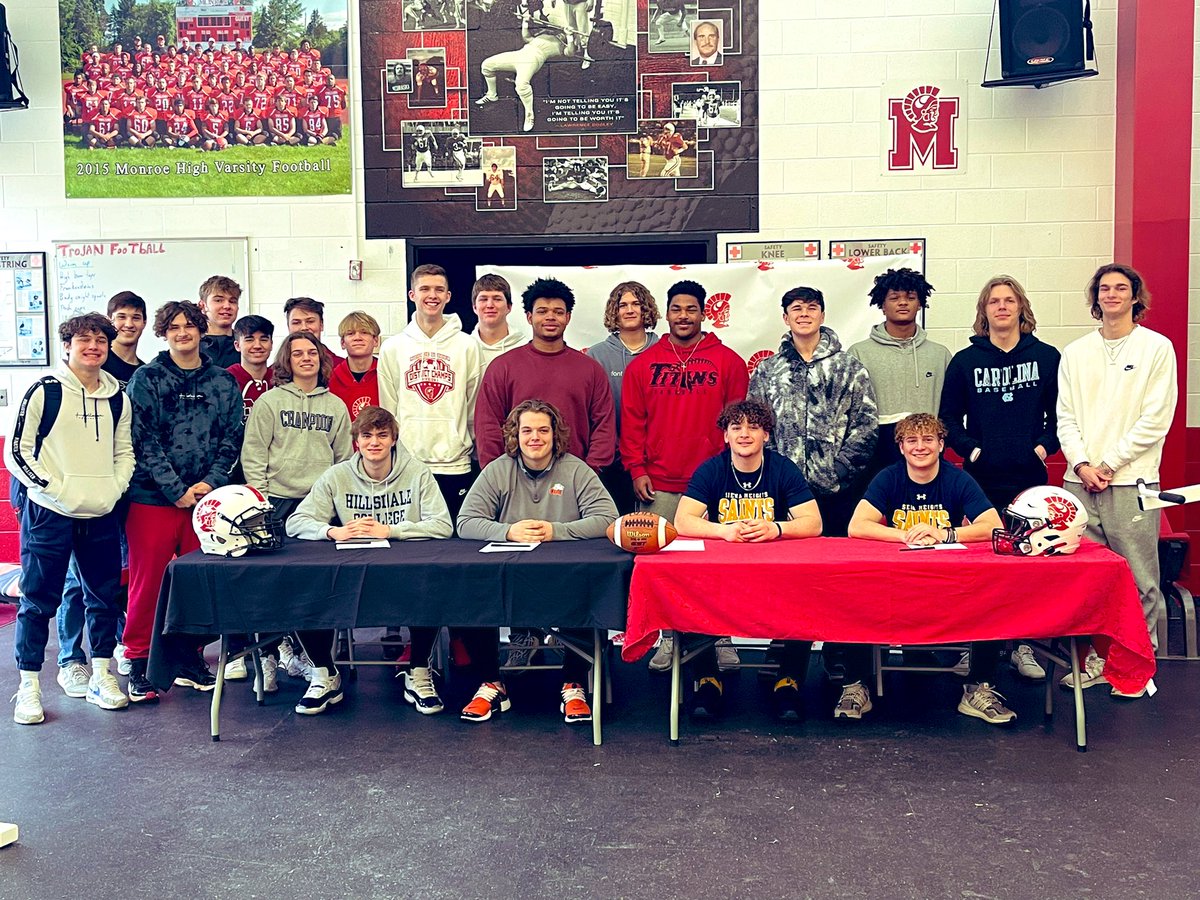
(362, 543)
(956, 546)
(507, 547)
(684, 544)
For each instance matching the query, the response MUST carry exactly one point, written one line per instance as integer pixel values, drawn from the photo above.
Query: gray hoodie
(292, 437)
(568, 494)
(907, 375)
(614, 356)
(407, 500)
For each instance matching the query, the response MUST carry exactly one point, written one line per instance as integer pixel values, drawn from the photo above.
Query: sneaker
(196, 674)
(104, 692)
(521, 645)
(270, 674)
(1090, 674)
(727, 655)
(984, 702)
(419, 690)
(29, 703)
(787, 700)
(708, 698)
(485, 100)
(392, 644)
(297, 665)
(854, 702)
(73, 679)
(140, 689)
(491, 697)
(661, 661)
(1134, 695)
(963, 666)
(324, 691)
(122, 662)
(236, 670)
(574, 706)
(1026, 663)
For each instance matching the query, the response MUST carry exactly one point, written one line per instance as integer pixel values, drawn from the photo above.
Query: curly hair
(166, 314)
(1141, 296)
(283, 359)
(1028, 322)
(920, 423)
(752, 412)
(512, 426)
(691, 288)
(88, 323)
(900, 280)
(547, 289)
(645, 300)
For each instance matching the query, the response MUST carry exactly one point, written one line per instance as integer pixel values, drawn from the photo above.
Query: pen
(923, 547)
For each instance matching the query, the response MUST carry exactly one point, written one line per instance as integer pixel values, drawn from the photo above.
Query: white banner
(743, 305)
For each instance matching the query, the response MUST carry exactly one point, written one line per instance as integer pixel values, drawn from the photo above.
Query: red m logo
(933, 146)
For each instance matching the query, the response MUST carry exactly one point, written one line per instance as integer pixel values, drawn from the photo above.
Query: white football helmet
(1041, 521)
(236, 518)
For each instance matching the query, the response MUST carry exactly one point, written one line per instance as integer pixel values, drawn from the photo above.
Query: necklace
(683, 363)
(746, 485)
(1112, 349)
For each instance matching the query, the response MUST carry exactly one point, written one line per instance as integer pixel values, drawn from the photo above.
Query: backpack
(51, 404)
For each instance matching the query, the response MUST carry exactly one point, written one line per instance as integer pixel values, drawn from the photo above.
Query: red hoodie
(670, 399)
(355, 394)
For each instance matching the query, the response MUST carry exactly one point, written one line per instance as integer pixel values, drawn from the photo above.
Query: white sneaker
(521, 645)
(122, 662)
(1090, 675)
(963, 666)
(29, 704)
(236, 670)
(324, 691)
(419, 690)
(854, 702)
(661, 661)
(1026, 663)
(270, 674)
(73, 679)
(985, 702)
(727, 655)
(105, 692)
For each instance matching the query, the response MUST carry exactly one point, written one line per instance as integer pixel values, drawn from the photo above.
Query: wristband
(780, 527)
(1079, 466)
(951, 535)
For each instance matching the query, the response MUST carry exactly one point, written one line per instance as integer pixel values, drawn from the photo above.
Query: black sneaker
(196, 675)
(140, 688)
(788, 700)
(708, 700)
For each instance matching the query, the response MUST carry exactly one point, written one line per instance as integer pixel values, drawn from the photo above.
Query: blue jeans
(71, 613)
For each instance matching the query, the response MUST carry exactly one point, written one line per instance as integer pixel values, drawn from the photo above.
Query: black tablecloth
(311, 585)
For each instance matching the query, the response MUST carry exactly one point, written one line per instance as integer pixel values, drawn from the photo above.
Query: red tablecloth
(853, 591)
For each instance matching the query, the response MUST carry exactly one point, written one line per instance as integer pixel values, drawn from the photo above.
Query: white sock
(28, 677)
(99, 665)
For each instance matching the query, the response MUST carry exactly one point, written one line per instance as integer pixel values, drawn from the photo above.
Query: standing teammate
(356, 381)
(219, 298)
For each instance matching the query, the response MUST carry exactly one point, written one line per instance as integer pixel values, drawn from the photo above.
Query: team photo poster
(205, 98)
(614, 115)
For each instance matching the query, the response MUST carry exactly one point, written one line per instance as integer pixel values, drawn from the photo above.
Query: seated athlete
(922, 501)
(405, 503)
(749, 494)
(536, 491)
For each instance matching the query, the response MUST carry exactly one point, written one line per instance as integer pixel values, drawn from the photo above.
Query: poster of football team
(546, 117)
(202, 98)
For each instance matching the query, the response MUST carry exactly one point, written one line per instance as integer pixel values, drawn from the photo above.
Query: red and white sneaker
(491, 697)
(574, 706)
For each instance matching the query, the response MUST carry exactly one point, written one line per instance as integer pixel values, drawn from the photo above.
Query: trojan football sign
(927, 124)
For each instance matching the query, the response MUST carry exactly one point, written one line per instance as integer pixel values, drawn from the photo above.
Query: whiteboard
(87, 273)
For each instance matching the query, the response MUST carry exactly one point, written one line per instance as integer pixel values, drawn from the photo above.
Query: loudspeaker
(11, 95)
(1040, 38)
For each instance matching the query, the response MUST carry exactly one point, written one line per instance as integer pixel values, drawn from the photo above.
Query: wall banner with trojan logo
(926, 124)
(742, 306)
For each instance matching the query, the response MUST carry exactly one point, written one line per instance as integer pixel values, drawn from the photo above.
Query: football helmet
(236, 518)
(1041, 521)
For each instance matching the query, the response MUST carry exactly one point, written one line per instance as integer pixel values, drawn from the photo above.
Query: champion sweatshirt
(292, 437)
(907, 375)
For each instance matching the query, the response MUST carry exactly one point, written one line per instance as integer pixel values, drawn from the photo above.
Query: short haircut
(372, 418)
(752, 412)
(547, 289)
(166, 314)
(691, 288)
(1141, 296)
(248, 326)
(88, 323)
(920, 423)
(900, 280)
(429, 269)
(283, 359)
(358, 321)
(126, 300)
(644, 297)
(220, 283)
(807, 294)
(512, 424)
(1028, 323)
(308, 304)
(491, 282)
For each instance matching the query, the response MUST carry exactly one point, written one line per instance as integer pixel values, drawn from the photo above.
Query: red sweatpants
(156, 535)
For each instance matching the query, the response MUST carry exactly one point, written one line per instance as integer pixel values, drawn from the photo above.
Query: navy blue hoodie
(187, 428)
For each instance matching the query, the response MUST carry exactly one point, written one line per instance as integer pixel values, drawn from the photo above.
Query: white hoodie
(430, 385)
(86, 460)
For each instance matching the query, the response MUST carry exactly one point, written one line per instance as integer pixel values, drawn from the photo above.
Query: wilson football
(641, 532)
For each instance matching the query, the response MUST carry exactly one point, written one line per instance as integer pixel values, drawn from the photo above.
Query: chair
(1174, 566)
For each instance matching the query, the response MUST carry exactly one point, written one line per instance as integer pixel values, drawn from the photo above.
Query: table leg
(597, 684)
(676, 696)
(1080, 715)
(256, 657)
(214, 712)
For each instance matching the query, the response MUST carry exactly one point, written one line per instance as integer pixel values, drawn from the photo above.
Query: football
(641, 532)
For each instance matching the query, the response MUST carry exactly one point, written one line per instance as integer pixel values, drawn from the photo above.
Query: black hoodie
(1007, 401)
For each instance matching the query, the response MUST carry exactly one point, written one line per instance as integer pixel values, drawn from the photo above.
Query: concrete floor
(374, 800)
